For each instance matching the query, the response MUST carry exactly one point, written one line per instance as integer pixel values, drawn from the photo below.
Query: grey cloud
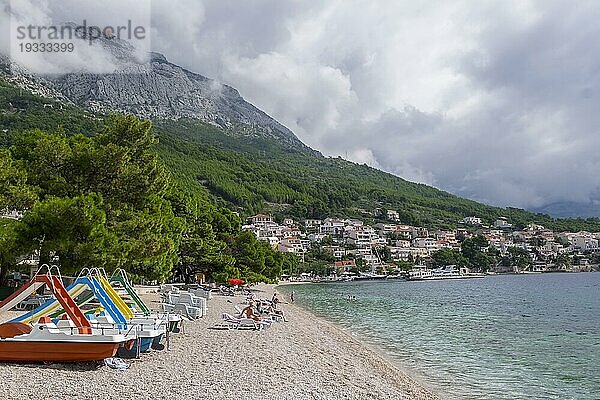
(491, 101)
(42, 14)
(495, 101)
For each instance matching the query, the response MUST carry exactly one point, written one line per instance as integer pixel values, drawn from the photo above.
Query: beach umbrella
(236, 282)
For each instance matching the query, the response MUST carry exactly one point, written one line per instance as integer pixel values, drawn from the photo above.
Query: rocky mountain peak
(159, 89)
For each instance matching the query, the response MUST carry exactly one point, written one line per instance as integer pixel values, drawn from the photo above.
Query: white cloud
(496, 101)
(34, 36)
(491, 102)
(306, 97)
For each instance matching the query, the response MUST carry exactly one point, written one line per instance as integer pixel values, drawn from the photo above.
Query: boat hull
(156, 345)
(442, 278)
(48, 351)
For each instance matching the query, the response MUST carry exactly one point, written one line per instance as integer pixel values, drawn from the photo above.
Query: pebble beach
(304, 358)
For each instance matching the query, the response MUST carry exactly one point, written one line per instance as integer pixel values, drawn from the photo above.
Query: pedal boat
(45, 342)
(144, 334)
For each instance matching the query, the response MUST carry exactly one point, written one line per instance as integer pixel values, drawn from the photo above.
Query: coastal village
(388, 247)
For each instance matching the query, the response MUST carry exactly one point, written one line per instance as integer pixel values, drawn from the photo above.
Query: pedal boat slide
(43, 341)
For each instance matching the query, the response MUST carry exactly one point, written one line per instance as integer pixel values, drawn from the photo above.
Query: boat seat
(12, 329)
(105, 319)
(47, 323)
(65, 322)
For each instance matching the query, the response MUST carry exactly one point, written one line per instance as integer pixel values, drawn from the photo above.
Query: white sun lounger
(206, 294)
(167, 308)
(182, 309)
(188, 311)
(269, 318)
(168, 289)
(242, 323)
(190, 299)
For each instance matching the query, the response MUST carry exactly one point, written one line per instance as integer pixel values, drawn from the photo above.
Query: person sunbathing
(269, 309)
(275, 300)
(263, 306)
(275, 311)
(248, 312)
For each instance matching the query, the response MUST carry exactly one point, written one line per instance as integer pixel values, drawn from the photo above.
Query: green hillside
(253, 173)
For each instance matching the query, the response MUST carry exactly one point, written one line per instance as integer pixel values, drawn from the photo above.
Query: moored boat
(44, 342)
(118, 319)
(447, 272)
(367, 276)
(144, 335)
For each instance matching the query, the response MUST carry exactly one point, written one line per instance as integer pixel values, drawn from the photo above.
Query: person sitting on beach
(275, 311)
(248, 312)
(261, 306)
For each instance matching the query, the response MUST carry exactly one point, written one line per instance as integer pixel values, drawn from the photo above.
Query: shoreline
(376, 351)
(304, 358)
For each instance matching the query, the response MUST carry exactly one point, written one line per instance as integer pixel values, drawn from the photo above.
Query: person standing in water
(293, 296)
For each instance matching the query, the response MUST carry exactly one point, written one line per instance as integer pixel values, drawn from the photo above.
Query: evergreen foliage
(104, 192)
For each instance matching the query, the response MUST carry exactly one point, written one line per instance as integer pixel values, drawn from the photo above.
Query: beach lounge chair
(268, 317)
(172, 298)
(241, 323)
(190, 299)
(168, 289)
(200, 302)
(276, 317)
(225, 291)
(167, 308)
(187, 311)
(266, 320)
(184, 310)
(206, 294)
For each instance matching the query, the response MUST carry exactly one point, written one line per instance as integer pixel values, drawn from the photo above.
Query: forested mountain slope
(252, 173)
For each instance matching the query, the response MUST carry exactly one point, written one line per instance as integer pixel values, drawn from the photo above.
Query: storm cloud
(494, 101)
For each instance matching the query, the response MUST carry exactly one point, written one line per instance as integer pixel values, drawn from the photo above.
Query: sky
(497, 101)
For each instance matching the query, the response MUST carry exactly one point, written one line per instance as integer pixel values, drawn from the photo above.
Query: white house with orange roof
(261, 220)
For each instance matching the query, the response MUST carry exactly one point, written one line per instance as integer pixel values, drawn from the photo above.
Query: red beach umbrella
(236, 282)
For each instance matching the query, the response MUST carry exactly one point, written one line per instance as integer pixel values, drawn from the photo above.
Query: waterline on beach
(502, 337)
(302, 359)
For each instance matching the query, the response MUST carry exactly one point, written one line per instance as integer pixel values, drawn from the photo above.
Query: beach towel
(116, 363)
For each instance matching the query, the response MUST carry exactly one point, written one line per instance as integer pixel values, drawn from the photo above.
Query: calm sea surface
(501, 337)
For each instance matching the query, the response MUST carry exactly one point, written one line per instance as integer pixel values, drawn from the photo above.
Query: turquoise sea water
(501, 337)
